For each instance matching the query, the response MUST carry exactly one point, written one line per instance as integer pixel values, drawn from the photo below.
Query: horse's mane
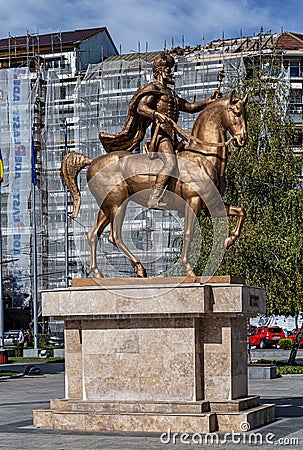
(212, 108)
(214, 105)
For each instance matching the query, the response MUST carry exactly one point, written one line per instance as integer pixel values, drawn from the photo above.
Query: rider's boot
(154, 200)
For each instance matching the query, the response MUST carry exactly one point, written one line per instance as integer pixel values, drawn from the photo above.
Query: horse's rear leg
(192, 211)
(116, 219)
(92, 237)
(235, 233)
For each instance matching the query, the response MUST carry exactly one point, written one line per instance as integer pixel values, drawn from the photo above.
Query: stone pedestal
(155, 354)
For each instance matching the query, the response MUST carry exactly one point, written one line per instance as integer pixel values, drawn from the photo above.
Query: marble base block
(150, 355)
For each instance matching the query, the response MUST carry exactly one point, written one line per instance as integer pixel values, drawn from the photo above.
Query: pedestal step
(237, 405)
(119, 406)
(134, 422)
(155, 417)
(245, 420)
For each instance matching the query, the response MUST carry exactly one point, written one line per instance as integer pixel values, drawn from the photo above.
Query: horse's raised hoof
(228, 243)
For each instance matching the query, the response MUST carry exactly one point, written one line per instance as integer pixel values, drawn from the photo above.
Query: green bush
(42, 340)
(286, 344)
(18, 352)
(50, 351)
(285, 370)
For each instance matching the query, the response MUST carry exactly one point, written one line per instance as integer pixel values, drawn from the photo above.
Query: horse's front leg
(192, 211)
(235, 233)
(92, 237)
(116, 219)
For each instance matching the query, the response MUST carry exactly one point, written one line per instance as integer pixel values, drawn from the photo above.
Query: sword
(152, 144)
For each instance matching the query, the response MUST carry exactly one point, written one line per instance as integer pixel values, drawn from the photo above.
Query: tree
(263, 177)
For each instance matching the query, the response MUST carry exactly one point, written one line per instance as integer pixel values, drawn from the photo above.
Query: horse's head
(236, 119)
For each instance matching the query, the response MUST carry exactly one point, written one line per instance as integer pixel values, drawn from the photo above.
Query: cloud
(152, 21)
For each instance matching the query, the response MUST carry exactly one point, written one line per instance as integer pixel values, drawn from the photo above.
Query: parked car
(54, 341)
(293, 334)
(11, 338)
(264, 337)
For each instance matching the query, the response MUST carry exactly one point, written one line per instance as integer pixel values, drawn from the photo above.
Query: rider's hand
(162, 118)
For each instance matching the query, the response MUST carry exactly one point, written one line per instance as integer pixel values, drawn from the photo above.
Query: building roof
(147, 57)
(66, 38)
(260, 42)
(290, 41)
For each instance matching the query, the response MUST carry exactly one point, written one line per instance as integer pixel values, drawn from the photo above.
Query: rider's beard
(169, 79)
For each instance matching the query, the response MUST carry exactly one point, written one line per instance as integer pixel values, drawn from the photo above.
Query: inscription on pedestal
(254, 301)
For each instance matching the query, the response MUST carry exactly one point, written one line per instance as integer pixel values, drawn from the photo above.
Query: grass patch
(19, 359)
(7, 373)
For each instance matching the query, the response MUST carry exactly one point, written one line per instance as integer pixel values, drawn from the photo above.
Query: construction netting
(16, 112)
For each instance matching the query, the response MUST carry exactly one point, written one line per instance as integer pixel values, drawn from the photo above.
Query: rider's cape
(135, 126)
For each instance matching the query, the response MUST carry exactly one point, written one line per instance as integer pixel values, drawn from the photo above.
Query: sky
(154, 24)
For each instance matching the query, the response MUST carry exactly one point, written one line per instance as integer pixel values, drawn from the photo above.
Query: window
(296, 96)
(297, 139)
(294, 69)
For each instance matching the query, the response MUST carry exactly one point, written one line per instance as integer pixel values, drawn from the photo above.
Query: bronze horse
(116, 177)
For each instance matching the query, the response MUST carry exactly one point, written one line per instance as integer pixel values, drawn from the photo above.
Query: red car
(264, 337)
(293, 335)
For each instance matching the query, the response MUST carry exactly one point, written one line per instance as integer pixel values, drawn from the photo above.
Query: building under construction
(57, 92)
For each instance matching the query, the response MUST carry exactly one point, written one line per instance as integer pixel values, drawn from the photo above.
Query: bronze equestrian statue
(195, 184)
(155, 103)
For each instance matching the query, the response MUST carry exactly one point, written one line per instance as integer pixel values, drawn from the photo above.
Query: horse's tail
(71, 165)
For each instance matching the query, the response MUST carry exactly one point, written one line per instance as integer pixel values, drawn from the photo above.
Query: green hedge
(288, 370)
(49, 350)
(283, 368)
(286, 344)
(18, 351)
(42, 340)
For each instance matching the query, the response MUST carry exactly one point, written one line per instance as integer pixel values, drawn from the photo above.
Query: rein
(206, 155)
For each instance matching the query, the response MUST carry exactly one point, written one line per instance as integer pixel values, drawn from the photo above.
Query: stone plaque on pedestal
(148, 355)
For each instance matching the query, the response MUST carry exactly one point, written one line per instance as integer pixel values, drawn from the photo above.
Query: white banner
(19, 230)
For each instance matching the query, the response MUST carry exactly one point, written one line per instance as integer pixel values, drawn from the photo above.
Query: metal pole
(66, 215)
(35, 291)
(66, 239)
(1, 286)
